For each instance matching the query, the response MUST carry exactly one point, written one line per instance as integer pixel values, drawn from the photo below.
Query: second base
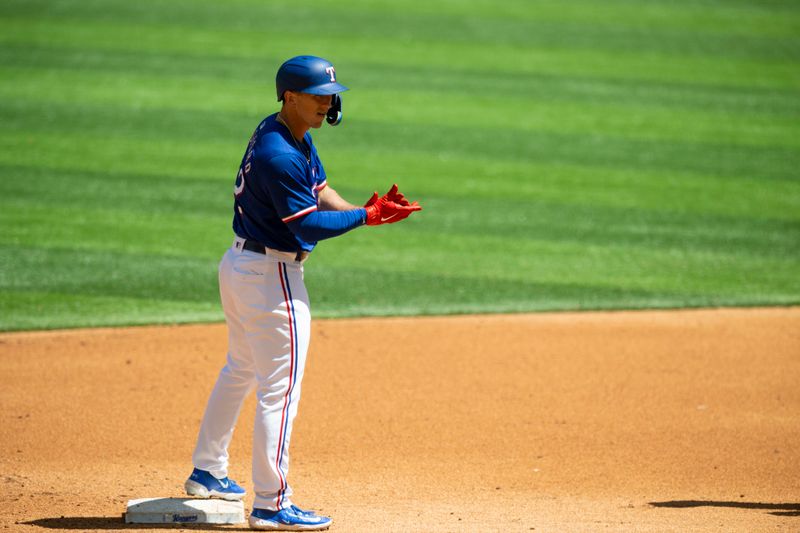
(183, 510)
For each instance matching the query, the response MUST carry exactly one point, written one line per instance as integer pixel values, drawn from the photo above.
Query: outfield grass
(569, 155)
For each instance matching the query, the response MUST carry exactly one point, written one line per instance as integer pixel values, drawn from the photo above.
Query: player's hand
(389, 212)
(372, 200)
(394, 195)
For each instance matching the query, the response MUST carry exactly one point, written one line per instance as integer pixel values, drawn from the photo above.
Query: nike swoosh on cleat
(224, 483)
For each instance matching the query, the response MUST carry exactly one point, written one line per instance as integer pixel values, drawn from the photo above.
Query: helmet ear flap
(334, 116)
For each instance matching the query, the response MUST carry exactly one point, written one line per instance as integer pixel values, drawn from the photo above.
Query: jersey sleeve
(289, 187)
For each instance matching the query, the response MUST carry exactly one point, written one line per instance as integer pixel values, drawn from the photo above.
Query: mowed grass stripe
(153, 194)
(658, 190)
(727, 275)
(590, 148)
(720, 31)
(470, 53)
(620, 188)
(121, 226)
(587, 190)
(594, 148)
(121, 277)
(125, 226)
(37, 310)
(24, 310)
(100, 273)
(118, 230)
(136, 101)
(768, 17)
(106, 153)
(114, 230)
(468, 295)
(227, 83)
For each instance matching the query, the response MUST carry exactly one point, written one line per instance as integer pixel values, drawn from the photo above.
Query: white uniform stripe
(299, 214)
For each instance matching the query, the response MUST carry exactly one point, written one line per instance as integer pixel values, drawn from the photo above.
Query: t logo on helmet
(332, 72)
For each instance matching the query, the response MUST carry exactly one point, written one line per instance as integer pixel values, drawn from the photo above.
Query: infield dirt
(626, 421)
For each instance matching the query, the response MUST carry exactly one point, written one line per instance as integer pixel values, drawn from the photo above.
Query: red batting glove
(392, 196)
(390, 208)
(389, 212)
(396, 196)
(401, 212)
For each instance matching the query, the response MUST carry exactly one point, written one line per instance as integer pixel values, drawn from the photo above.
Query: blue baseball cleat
(289, 519)
(203, 485)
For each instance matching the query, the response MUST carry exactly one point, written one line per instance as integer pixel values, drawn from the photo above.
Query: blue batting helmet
(307, 74)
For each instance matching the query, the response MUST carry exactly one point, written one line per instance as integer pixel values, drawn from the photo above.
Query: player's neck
(296, 126)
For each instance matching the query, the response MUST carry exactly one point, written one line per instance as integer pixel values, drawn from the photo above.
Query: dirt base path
(647, 421)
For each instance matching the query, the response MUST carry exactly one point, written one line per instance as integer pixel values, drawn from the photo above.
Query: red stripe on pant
(285, 410)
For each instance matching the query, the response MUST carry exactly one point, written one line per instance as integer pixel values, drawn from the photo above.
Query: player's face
(311, 108)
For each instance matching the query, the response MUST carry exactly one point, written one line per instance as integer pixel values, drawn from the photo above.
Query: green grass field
(569, 155)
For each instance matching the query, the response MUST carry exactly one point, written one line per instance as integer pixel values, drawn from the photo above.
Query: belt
(257, 247)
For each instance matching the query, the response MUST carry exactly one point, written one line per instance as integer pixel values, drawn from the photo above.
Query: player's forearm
(329, 200)
(317, 225)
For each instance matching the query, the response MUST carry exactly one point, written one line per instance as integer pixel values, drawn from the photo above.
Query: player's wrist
(372, 215)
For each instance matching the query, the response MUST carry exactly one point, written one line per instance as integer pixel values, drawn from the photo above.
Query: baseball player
(282, 206)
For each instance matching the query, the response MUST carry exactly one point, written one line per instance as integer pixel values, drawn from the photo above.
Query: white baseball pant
(267, 312)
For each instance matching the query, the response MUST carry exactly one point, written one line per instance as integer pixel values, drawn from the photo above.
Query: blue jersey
(278, 181)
